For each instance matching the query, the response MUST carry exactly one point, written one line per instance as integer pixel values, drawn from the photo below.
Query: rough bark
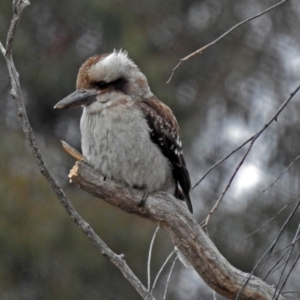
(184, 230)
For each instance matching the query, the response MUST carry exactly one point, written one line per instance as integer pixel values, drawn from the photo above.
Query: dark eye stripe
(118, 84)
(101, 85)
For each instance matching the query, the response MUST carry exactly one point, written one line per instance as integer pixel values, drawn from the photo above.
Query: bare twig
(277, 265)
(18, 7)
(271, 219)
(254, 136)
(252, 139)
(205, 222)
(265, 260)
(277, 178)
(269, 251)
(169, 277)
(149, 258)
(160, 271)
(286, 262)
(273, 254)
(199, 51)
(271, 248)
(223, 159)
(291, 292)
(117, 260)
(290, 271)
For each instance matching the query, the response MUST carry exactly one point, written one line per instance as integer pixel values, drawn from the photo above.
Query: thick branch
(185, 232)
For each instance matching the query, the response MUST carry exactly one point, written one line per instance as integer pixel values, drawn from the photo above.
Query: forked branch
(185, 232)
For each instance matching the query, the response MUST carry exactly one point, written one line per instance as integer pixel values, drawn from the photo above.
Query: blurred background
(220, 99)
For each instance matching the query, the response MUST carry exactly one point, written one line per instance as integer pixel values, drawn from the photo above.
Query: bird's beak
(78, 98)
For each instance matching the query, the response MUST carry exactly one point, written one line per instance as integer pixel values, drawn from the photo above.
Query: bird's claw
(142, 202)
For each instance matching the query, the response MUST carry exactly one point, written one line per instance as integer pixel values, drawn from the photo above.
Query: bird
(127, 134)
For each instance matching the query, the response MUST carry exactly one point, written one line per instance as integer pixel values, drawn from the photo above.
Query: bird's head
(105, 79)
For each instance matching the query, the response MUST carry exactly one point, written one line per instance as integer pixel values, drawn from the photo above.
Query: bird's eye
(101, 85)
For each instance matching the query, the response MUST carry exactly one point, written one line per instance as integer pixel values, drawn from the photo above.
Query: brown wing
(164, 132)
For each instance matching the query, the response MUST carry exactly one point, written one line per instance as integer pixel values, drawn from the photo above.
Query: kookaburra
(126, 132)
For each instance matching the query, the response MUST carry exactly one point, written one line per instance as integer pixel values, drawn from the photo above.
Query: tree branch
(185, 232)
(117, 260)
(18, 7)
(252, 140)
(199, 51)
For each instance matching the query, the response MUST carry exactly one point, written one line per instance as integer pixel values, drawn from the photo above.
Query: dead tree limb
(184, 230)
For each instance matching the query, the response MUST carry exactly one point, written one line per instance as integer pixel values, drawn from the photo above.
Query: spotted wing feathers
(164, 132)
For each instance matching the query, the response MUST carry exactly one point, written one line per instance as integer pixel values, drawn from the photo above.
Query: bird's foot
(145, 195)
(142, 202)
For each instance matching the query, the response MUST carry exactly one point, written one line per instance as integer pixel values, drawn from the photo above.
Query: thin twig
(265, 260)
(282, 273)
(291, 292)
(276, 265)
(149, 258)
(273, 254)
(223, 159)
(18, 7)
(286, 262)
(169, 277)
(273, 118)
(160, 271)
(117, 260)
(284, 171)
(255, 137)
(271, 219)
(199, 51)
(215, 207)
(271, 248)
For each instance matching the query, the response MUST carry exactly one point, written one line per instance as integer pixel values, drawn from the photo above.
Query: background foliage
(220, 99)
